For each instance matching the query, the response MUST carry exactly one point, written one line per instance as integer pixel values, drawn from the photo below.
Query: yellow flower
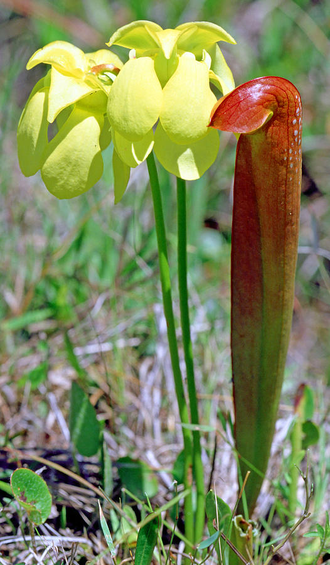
(167, 80)
(160, 99)
(74, 93)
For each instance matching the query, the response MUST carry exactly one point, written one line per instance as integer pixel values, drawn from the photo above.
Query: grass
(88, 270)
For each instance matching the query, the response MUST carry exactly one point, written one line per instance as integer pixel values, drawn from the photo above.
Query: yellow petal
(133, 152)
(187, 102)
(188, 162)
(64, 56)
(137, 35)
(121, 174)
(32, 130)
(73, 161)
(64, 91)
(135, 99)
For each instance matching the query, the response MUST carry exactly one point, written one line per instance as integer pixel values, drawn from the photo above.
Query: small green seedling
(146, 542)
(323, 534)
(304, 433)
(84, 426)
(106, 532)
(32, 494)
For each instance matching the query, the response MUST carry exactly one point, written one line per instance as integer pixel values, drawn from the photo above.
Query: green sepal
(137, 35)
(201, 35)
(220, 73)
(62, 55)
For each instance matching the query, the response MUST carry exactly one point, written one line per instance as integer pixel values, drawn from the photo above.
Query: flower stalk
(188, 356)
(172, 340)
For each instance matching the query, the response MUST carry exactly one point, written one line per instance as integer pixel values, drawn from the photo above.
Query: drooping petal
(133, 152)
(137, 35)
(187, 102)
(105, 137)
(223, 75)
(104, 56)
(121, 174)
(201, 35)
(64, 91)
(135, 99)
(32, 129)
(64, 56)
(73, 161)
(188, 162)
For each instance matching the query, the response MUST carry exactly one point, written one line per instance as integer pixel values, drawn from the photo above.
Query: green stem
(172, 340)
(188, 356)
(296, 446)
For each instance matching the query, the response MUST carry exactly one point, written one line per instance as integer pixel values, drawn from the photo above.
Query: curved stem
(188, 356)
(172, 340)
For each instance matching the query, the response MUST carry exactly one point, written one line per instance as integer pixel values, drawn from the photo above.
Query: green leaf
(209, 541)
(137, 477)
(106, 532)
(125, 526)
(146, 542)
(311, 434)
(106, 471)
(320, 530)
(308, 403)
(264, 253)
(178, 468)
(219, 513)
(84, 426)
(32, 493)
(311, 535)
